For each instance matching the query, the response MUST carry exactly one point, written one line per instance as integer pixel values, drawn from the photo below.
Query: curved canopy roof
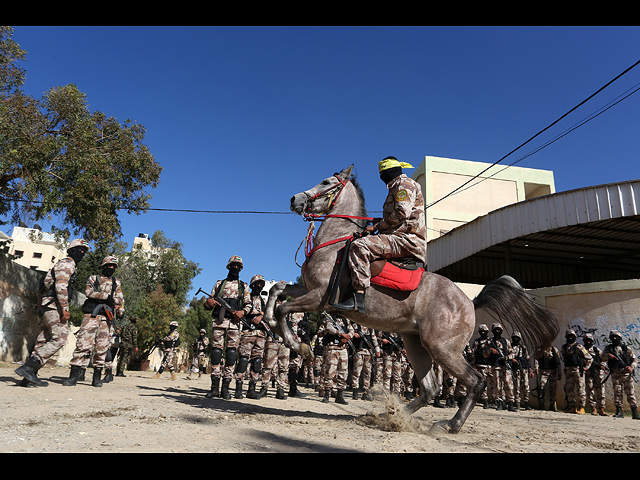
(585, 235)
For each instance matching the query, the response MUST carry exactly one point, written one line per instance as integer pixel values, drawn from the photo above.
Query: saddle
(397, 273)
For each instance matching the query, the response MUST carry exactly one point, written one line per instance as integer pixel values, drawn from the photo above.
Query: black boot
(293, 388)
(251, 391)
(30, 371)
(327, 394)
(510, 407)
(280, 393)
(634, 413)
(356, 394)
(108, 376)
(73, 376)
(618, 412)
(119, 373)
(238, 393)
(499, 404)
(355, 302)
(263, 391)
(215, 388)
(95, 381)
(436, 402)
(224, 391)
(340, 399)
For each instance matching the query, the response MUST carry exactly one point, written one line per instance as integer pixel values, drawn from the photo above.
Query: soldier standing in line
(111, 355)
(336, 334)
(391, 347)
(366, 344)
(105, 301)
(622, 363)
(547, 369)
(54, 313)
(594, 378)
(252, 342)
(169, 344)
(499, 354)
(522, 371)
(481, 363)
(275, 362)
(128, 345)
(299, 325)
(199, 348)
(226, 329)
(576, 361)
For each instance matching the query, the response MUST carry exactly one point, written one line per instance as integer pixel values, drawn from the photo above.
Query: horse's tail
(513, 305)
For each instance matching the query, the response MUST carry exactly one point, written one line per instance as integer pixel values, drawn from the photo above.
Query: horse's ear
(346, 173)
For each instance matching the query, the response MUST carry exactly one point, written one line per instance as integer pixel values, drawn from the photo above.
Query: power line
(537, 134)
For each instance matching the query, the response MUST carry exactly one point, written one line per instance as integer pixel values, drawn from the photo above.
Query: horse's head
(321, 198)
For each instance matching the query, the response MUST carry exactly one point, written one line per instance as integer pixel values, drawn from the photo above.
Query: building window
(37, 255)
(18, 253)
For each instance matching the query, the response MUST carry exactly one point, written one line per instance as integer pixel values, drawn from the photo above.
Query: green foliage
(58, 158)
(157, 311)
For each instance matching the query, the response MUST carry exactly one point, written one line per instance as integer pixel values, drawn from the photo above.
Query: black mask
(497, 333)
(108, 270)
(234, 273)
(515, 341)
(256, 289)
(77, 254)
(390, 173)
(616, 340)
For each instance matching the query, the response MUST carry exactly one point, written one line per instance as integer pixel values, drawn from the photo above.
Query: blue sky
(242, 118)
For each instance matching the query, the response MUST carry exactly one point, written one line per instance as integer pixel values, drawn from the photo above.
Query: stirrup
(354, 302)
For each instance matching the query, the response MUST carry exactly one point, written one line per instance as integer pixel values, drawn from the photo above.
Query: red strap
(330, 242)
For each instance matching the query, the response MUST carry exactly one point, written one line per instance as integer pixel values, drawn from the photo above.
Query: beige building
(493, 189)
(34, 248)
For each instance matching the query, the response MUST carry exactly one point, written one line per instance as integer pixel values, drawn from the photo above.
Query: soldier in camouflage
(576, 360)
(594, 378)
(481, 363)
(366, 344)
(401, 231)
(199, 348)
(169, 345)
(547, 370)
(622, 363)
(522, 372)
(226, 326)
(499, 354)
(54, 313)
(128, 345)
(335, 337)
(105, 302)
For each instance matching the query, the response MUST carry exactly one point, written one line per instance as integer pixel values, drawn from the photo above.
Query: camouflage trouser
(53, 336)
(550, 377)
(574, 384)
(126, 349)
(335, 368)
(276, 364)
(446, 381)
(407, 376)
(392, 372)
(501, 384)
(224, 338)
(624, 381)
(317, 368)
(251, 346)
(485, 371)
(366, 249)
(594, 388)
(521, 385)
(93, 334)
(198, 361)
(361, 366)
(167, 361)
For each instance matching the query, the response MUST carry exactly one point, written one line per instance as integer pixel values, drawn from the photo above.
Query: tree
(57, 158)
(157, 311)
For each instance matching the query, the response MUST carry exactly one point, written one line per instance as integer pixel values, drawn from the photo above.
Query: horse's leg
(422, 365)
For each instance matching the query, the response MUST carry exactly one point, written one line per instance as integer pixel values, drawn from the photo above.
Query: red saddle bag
(398, 278)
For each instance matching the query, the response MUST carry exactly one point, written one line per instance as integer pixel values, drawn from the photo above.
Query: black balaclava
(108, 270)
(77, 253)
(256, 288)
(616, 340)
(390, 173)
(515, 340)
(234, 272)
(497, 333)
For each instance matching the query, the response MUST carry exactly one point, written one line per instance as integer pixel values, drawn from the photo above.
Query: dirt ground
(140, 414)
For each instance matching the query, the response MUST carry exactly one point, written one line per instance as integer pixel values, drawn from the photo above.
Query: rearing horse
(436, 320)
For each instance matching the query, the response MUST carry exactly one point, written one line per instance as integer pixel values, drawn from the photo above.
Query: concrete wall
(595, 308)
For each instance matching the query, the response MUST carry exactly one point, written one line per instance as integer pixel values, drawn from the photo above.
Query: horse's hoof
(440, 428)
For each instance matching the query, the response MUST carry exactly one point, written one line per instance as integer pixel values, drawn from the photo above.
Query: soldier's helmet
(256, 278)
(110, 260)
(78, 242)
(235, 259)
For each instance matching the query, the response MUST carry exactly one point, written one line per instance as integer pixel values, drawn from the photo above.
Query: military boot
(251, 391)
(263, 391)
(280, 393)
(354, 302)
(634, 413)
(340, 399)
(618, 413)
(293, 388)
(327, 394)
(74, 373)
(215, 388)
(511, 407)
(436, 402)
(108, 376)
(95, 381)
(30, 371)
(157, 375)
(224, 391)
(356, 394)
(238, 393)
(120, 373)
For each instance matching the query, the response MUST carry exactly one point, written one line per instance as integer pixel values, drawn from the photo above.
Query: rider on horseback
(401, 231)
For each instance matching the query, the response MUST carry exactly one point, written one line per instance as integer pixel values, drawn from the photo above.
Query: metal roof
(585, 235)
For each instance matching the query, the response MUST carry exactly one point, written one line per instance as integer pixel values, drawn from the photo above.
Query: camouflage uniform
(299, 325)
(169, 345)
(199, 354)
(594, 378)
(521, 370)
(547, 369)
(481, 363)
(54, 307)
(622, 363)
(275, 364)
(576, 361)
(391, 361)
(128, 343)
(499, 353)
(335, 364)
(401, 232)
(362, 365)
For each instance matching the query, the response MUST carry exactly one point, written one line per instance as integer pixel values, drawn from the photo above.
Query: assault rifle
(501, 356)
(224, 304)
(338, 327)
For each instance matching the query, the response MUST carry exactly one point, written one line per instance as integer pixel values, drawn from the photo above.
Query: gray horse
(436, 321)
